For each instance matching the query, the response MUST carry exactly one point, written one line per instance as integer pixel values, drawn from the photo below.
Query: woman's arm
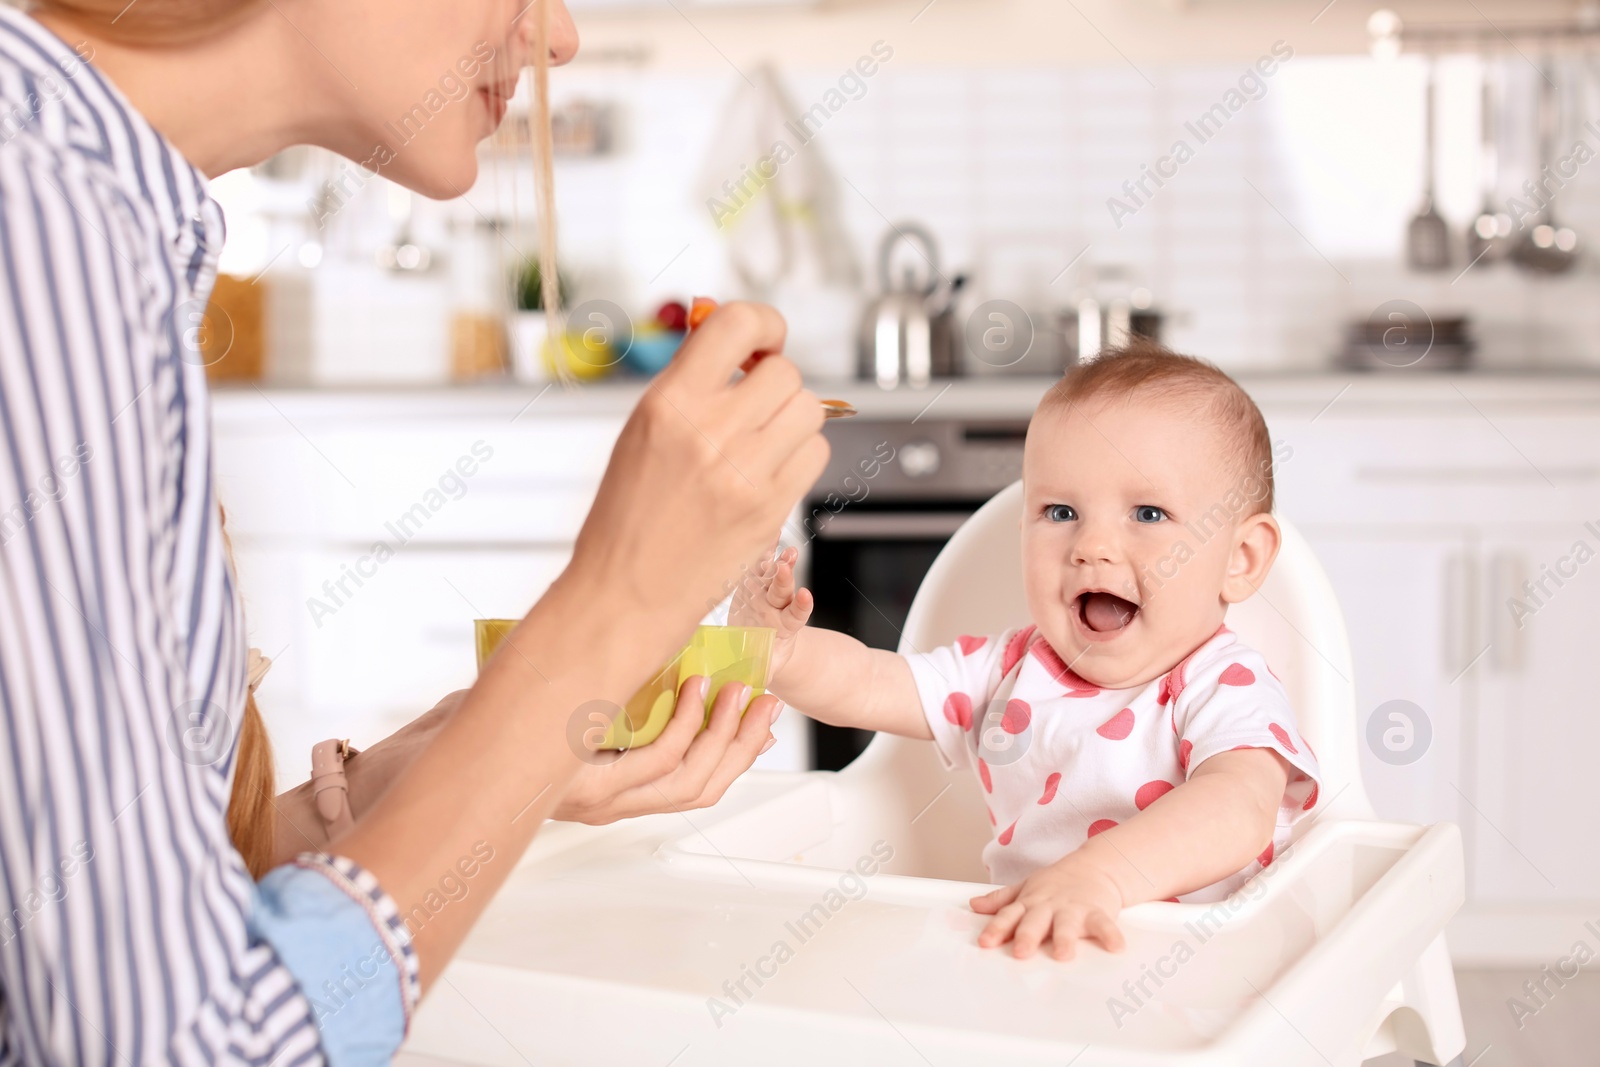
(683, 769)
(703, 474)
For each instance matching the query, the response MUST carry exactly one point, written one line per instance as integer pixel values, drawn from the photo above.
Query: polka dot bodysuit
(1060, 759)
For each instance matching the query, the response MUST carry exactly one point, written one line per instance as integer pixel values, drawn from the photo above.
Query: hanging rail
(1392, 35)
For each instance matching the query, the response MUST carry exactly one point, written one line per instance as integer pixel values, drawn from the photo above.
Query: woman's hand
(701, 478)
(683, 769)
(768, 597)
(1068, 901)
(368, 774)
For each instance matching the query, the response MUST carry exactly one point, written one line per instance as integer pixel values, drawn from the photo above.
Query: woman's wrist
(601, 621)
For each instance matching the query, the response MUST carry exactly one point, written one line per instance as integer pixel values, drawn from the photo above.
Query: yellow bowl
(584, 354)
(721, 653)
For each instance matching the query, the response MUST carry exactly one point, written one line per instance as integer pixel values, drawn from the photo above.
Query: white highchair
(821, 916)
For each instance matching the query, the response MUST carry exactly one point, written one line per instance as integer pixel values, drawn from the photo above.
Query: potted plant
(530, 326)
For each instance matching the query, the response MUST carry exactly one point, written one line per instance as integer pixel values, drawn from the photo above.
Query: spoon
(700, 310)
(1428, 235)
(1547, 248)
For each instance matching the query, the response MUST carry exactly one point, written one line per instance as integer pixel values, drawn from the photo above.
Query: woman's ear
(1255, 546)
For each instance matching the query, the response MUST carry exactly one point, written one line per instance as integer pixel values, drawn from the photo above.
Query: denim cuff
(344, 941)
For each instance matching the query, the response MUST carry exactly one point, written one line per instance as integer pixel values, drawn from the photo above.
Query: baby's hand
(1068, 901)
(768, 597)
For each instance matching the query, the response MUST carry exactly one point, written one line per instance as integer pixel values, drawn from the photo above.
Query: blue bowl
(650, 352)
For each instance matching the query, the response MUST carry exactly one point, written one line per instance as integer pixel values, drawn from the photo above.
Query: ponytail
(252, 815)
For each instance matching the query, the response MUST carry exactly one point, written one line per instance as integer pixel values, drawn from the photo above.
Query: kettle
(907, 334)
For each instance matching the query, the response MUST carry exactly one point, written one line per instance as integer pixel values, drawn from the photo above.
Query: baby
(1129, 746)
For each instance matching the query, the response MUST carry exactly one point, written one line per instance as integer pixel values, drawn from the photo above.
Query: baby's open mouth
(1105, 612)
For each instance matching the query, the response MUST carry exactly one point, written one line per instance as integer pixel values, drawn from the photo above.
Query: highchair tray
(783, 927)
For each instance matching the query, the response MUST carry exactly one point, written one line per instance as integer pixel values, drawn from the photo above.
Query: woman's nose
(563, 31)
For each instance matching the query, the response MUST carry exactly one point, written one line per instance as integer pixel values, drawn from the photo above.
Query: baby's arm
(1199, 833)
(828, 675)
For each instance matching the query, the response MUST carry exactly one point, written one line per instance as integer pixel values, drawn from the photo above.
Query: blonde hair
(252, 812)
(1145, 368)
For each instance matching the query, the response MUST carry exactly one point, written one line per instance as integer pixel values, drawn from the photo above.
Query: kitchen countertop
(962, 398)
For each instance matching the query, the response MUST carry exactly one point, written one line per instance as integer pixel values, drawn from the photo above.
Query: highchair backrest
(975, 587)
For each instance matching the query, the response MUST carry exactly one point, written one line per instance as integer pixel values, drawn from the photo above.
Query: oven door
(866, 563)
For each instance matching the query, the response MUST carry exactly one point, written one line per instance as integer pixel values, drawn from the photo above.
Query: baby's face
(1135, 535)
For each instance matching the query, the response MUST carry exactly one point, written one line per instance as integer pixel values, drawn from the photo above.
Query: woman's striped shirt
(130, 930)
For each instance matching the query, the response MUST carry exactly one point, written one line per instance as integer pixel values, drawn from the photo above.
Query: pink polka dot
(969, 645)
(983, 773)
(1173, 900)
(1185, 750)
(1017, 717)
(958, 710)
(1237, 674)
(1265, 857)
(1311, 801)
(1241, 748)
(1164, 694)
(1150, 792)
(992, 821)
(1006, 834)
(1015, 649)
(1283, 737)
(1075, 685)
(1050, 785)
(1118, 727)
(1100, 826)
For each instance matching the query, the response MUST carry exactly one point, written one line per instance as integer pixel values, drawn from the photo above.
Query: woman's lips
(496, 102)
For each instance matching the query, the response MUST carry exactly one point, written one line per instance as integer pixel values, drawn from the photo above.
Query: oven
(892, 495)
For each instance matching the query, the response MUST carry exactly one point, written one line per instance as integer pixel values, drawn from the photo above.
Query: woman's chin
(442, 176)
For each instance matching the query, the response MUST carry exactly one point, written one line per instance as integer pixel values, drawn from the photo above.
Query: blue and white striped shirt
(129, 927)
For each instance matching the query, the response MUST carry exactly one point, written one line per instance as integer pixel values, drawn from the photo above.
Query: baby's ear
(1255, 545)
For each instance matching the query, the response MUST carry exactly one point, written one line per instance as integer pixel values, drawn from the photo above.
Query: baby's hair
(1145, 368)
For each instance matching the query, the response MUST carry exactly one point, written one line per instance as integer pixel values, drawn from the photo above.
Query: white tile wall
(1012, 169)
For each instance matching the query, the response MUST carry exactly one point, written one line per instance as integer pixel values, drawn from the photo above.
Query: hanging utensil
(1488, 234)
(1547, 248)
(1428, 236)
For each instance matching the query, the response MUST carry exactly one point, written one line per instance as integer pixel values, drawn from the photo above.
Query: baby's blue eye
(1060, 513)
(1148, 513)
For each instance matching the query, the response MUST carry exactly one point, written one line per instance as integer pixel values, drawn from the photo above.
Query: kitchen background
(1443, 423)
(1286, 225)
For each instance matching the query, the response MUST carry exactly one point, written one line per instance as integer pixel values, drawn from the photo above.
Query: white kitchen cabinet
(1513, 722)
(362, 665)
(1426, 517)
(479, 496)
(1402, 598)
(1539, 737)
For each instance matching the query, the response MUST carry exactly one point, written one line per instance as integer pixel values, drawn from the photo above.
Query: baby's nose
(1095, 546)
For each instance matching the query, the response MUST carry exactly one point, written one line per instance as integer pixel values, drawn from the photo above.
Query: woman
(131, 929)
